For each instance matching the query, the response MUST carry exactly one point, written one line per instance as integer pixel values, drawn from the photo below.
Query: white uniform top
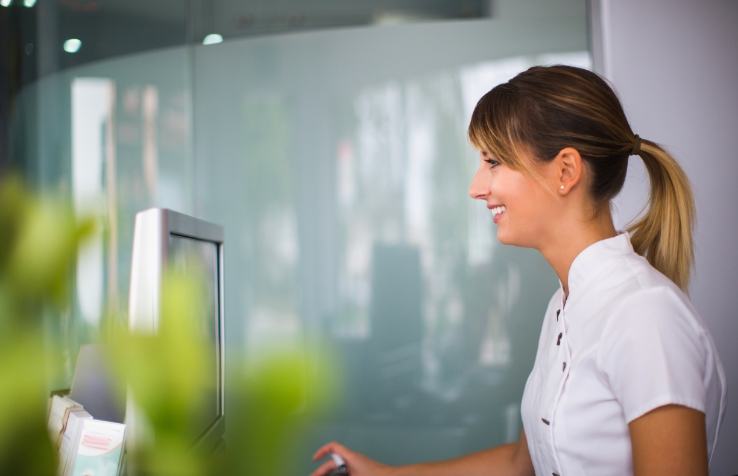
(626, 341)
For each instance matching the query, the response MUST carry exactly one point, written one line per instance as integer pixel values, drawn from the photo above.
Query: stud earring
(562, 187)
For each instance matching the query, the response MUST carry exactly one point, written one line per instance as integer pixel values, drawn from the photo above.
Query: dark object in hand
(339, 471)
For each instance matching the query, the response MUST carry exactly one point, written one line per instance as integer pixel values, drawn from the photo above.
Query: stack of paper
(59, 409)
(99, 449)
(70, 440)
(87, 447)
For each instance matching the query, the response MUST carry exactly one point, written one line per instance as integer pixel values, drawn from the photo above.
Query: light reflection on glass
(72, 45)
(149, 155)
(91, 100)
(212, 39)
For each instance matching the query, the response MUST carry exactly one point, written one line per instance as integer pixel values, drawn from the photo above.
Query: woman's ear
(569, 168)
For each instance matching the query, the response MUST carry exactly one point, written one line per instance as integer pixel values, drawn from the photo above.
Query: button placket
(566, 357)
(544, 420)
(567, 353)
(560, 327)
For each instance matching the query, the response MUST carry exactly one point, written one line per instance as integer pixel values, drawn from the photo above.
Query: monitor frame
(153, 229)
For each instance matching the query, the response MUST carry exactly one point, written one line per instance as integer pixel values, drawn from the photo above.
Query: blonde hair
(546, 108)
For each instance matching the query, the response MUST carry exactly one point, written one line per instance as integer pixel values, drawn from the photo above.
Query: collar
(587, 263)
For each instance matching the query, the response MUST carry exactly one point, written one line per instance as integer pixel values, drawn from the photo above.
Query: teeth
(498, 210)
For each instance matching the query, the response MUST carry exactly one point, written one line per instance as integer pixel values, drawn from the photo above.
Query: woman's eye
(492, 163)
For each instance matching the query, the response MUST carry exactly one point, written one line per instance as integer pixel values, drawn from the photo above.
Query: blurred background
(329, 139)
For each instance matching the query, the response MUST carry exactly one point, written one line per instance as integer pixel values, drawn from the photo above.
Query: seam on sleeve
(662, 400)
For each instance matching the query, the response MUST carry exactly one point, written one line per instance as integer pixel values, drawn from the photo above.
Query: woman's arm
(669, 440)
(506, 460)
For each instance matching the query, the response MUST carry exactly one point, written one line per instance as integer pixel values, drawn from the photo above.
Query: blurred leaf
(38, 246)
(45, 251)
(23, 406)
(276, 400)
(12, 210)
(167, 372)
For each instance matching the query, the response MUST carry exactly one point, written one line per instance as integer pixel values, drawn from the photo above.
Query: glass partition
(337, 161)
(339, 164)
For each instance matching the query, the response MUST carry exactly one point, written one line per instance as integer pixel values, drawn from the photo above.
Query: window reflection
(92, 111)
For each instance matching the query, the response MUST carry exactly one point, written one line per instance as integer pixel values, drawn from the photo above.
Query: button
(555, 474)
(563, 367)
(557, 315)
(545, 421)
(558, 341)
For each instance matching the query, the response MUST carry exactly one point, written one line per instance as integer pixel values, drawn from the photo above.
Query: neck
(570, 238)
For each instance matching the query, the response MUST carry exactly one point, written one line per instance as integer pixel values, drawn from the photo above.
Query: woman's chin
(524, 241)
(502, 237)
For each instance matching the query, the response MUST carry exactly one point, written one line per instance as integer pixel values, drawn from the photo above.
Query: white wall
(674, 64)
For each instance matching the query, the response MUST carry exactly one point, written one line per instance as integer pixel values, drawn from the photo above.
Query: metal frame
(153, 228)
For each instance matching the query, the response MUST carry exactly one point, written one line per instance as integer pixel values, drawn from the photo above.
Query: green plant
(39, 238)
(165, 372)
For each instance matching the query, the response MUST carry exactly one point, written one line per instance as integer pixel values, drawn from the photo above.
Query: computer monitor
(165, 239)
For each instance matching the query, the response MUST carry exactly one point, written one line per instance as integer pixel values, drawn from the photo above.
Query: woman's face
(529, 210)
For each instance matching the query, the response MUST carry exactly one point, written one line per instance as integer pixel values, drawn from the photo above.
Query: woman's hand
(356, 463)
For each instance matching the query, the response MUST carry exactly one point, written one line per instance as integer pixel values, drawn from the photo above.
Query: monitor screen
(165, 239)
(199, 259)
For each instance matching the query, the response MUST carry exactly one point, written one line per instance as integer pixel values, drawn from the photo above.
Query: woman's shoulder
(639, 281)
(650, 304)
(644, 273)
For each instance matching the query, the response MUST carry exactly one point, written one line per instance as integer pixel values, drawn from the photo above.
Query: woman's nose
(479, 188)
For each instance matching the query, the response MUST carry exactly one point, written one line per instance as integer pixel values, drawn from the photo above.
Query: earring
(561, 188)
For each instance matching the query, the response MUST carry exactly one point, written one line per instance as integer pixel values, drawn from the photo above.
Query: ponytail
(664, 234)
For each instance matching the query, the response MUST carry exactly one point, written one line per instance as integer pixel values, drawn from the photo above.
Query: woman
(626, 378)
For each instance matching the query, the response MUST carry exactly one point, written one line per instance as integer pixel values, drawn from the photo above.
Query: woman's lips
(498, 212)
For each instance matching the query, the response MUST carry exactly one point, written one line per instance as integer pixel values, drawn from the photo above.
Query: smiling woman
(631, 355)
(627, 379)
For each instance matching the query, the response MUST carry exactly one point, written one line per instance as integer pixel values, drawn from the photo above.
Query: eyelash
(492, 163)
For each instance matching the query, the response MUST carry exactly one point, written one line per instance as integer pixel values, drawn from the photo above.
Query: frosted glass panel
(338, 163)
(115, 136)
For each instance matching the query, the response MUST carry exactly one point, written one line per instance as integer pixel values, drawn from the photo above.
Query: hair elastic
(636, 145)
